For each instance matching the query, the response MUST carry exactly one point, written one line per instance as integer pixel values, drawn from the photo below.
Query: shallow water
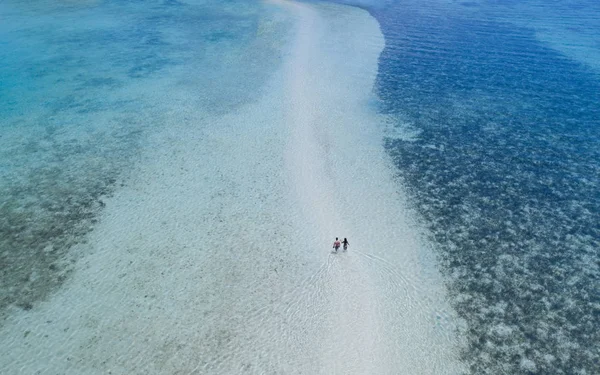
(174, 172)
(256, 143)
(83, 84)
(495, 130)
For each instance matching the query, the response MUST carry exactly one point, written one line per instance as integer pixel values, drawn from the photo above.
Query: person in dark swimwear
(336, 244)
(345, 243)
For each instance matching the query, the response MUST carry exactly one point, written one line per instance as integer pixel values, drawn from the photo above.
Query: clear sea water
(496, 117)
(498, 108)
(83, 84)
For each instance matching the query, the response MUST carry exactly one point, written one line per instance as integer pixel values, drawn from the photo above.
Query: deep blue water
(505, 173)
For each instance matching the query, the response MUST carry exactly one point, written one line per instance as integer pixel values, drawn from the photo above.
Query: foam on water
(215, 256)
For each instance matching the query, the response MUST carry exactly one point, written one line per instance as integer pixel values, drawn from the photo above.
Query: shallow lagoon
(83, 85)
(491, 119)
(244, 140)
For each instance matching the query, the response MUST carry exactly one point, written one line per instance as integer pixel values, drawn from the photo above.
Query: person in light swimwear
(336, 244)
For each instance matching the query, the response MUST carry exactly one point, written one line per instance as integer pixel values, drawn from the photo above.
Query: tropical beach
(215, 254)
(175, 174)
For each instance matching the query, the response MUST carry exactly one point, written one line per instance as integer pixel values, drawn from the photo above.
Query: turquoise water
(495, 117)
(186, 193)
(83, 85)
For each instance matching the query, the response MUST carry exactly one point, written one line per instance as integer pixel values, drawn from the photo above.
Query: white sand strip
(350, 345)
(215, 258)
(385, 310)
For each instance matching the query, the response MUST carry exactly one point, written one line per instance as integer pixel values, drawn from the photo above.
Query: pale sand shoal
(215, 257)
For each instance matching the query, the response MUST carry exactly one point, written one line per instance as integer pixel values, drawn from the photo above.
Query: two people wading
(337, 244)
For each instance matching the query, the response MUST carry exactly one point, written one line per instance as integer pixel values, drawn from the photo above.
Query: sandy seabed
(215, 258)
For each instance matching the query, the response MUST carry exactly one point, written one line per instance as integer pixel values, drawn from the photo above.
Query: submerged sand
(216, 258)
